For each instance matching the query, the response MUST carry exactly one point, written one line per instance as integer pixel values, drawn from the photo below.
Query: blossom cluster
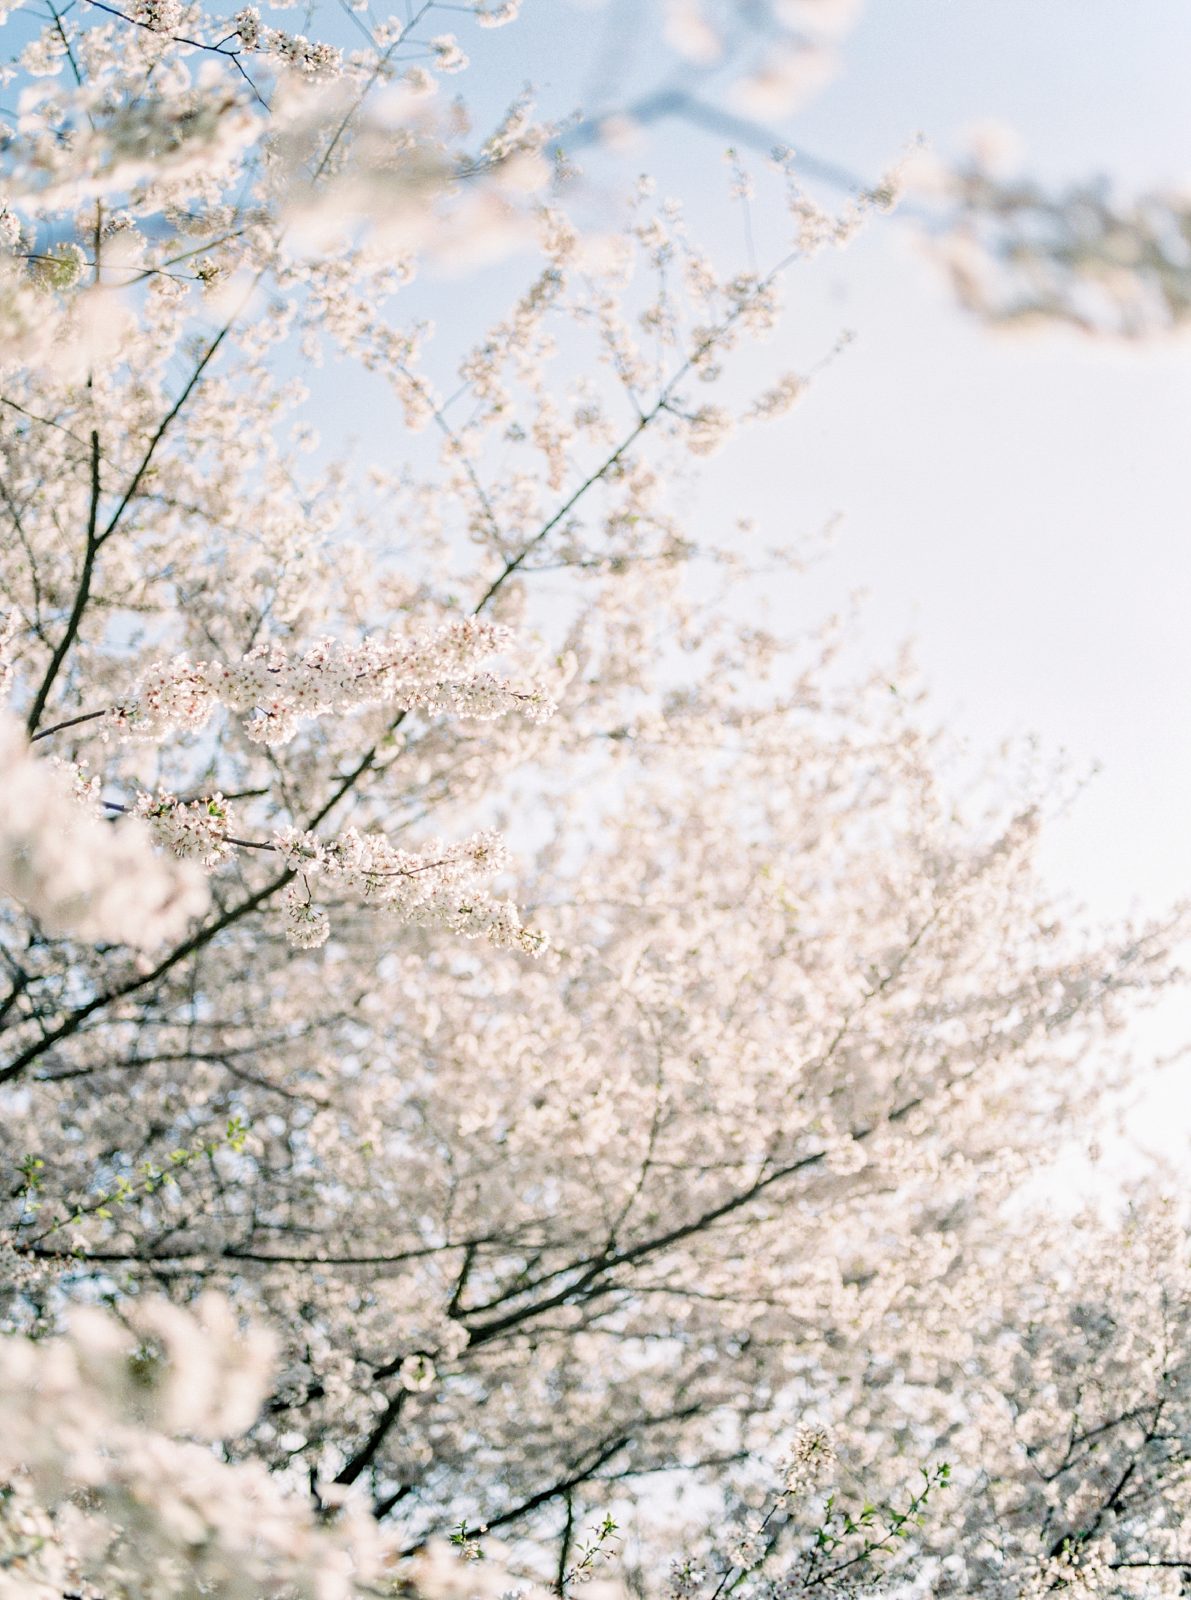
(79, 147)
(496, 13)
(440, 885)
(311, 58)
(192, 830)
(797, 58)
(76, 874)
(1020, 256)
(811, 1460)
(110, 1484)
(435, 672)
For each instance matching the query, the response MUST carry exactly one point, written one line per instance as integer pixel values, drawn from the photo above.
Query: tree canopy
(516, 1070)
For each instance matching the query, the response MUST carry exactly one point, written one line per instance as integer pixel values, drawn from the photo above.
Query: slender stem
(82, 595)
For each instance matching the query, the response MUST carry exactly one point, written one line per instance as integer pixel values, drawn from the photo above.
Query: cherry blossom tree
(514, 1072)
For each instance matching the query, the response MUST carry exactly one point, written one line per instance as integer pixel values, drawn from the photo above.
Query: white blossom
(435, 672)
(74, 873)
